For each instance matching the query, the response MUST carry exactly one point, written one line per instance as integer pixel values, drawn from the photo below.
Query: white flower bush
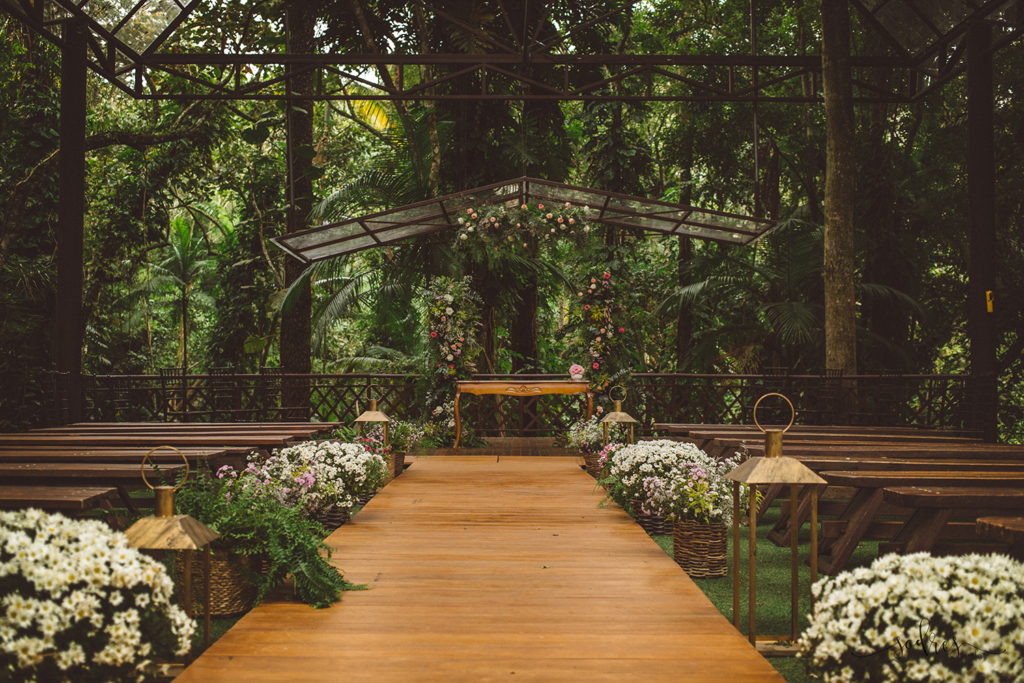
(920, 618)
(79, 605)
(694, 490)
(631, 465)
(313, 475)
(588, 435)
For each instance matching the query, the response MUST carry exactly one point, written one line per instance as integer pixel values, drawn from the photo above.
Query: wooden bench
(862, 509)
(56, 498)
(934, 506)
(1009, 530)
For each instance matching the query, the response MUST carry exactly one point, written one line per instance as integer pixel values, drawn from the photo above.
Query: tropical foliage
(157, 167)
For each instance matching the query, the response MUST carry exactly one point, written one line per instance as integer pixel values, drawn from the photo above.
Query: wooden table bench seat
(56, 498)
(935, 505)
(866, 503)
(1009, 530)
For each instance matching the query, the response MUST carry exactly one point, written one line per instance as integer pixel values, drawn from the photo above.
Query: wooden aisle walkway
(488, 571)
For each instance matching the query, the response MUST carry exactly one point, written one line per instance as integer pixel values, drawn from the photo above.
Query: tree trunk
(295, 323)
(840, 312)
(684, 322)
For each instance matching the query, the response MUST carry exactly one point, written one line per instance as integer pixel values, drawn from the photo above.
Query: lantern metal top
(792, 411)
(166, 530)
(783, 470)
(373, 414)
(617, 415)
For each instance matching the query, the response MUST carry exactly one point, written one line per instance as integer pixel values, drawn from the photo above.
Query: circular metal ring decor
(792, 411)
(379, 388)
(617, 386)
(142, 468)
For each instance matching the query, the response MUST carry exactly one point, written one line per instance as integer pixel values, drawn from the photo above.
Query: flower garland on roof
(522, 228)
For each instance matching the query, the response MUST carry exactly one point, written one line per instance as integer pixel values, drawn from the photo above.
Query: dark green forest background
(183, 196)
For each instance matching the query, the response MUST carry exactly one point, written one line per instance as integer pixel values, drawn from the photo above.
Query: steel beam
(981, 190)
(69, 326)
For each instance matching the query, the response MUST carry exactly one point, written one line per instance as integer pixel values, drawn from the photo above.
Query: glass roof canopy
(434, 215)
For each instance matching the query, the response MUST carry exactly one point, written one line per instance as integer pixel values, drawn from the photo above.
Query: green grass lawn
(773, 591)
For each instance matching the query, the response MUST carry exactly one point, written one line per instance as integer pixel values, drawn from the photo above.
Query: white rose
(448, 311)
(450, 357)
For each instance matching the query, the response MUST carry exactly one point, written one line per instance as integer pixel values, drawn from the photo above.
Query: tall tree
(840, 301)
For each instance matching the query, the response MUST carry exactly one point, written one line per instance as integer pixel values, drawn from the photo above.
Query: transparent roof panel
(922, 26)
(146, 25)
(386, 227)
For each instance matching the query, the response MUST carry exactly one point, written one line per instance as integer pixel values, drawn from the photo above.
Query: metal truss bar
(622, 61)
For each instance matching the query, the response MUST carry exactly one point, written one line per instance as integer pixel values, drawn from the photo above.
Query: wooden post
(69, 323)
(206, 596)
(794, 557)
(982, 197)
(736, 555)
(752, 559)
(814, 539)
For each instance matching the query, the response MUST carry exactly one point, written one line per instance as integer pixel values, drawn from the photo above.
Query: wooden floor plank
(483, 571)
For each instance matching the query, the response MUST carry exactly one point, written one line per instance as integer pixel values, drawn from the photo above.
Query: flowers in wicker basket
(313, 475)
(694, 489)
(629, 467)
(920, 618)
(79, 605)
(588, 435)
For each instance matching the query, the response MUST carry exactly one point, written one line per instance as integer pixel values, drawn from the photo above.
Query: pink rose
(433, 335)
(540, 206)
(606, 276)
(597, 365)
(586, 307)
(622, 329)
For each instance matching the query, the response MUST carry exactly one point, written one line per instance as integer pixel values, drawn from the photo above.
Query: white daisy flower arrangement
(77, 604)
(920, 618)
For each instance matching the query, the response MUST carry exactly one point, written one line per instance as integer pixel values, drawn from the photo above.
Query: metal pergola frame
(927, 42)
(928, 54)
(433, 215)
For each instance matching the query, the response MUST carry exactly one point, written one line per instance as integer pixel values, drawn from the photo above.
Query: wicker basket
(654, 525)
(230, 593)
(333, 517)
(593, 468)
(399, 462)
(700, 549)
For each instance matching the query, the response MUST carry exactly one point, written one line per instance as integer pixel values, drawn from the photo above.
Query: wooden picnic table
(824, 437)
(860, 512)
(684, 429)
(63, 498)
(1009, 530)
(934, 505)
(880, 449)
(51, 454)
(297, 428)
(780, 532)
(253, 440)
(67, 474)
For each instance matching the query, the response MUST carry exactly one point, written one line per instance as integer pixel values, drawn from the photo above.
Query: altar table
(519, 388)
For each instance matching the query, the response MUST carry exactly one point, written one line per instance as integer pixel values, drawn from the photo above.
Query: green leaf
(305, 151)
(256, 135)
(313, 172)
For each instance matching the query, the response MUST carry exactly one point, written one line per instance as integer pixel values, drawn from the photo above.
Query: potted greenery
(80, 605)
(264, 536)
(322, 478)
(697, 498)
